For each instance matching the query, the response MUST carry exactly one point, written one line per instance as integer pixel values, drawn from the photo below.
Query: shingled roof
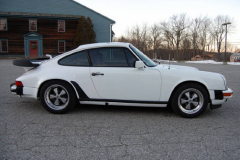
(47, 8)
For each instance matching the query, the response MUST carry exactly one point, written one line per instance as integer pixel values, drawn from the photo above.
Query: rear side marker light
(19, 83)
(227, 94)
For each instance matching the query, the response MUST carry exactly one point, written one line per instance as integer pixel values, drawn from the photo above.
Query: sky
(127, 13)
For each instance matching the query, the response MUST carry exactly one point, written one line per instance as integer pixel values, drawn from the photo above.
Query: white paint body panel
(123, 83)
(127, 83)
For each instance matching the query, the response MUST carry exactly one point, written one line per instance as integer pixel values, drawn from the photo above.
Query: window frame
(30, 25)
(64, 46)
(6, 24)
(128, 66)
(1, 45)
(64, 25)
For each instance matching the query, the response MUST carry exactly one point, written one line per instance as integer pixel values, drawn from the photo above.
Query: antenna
(169, 61)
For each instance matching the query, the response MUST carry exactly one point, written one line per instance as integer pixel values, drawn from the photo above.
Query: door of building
(33, 49)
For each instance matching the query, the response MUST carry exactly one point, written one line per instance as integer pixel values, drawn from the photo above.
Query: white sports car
(118, 74)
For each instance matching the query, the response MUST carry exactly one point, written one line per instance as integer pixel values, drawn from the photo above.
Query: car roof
(92, 46)
(107, 44)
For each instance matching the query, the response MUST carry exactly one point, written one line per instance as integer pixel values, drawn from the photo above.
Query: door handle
(97, 74)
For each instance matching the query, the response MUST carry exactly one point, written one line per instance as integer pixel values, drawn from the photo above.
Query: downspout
(111, 32)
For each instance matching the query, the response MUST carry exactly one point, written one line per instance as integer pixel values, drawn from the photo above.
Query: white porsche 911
(118, 74)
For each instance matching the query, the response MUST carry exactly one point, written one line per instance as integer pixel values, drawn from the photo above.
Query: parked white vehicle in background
(118, 74)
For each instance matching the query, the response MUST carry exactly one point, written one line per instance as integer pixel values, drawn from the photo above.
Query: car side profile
(118, 74)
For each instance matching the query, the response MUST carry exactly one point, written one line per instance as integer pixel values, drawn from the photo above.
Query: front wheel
(190, 100)
(57, 97)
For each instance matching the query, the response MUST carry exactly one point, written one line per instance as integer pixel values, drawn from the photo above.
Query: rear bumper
(24, 91)
(16, 89)
(220, 98)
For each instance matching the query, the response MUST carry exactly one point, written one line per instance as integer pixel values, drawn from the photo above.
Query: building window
(3, 24)
(61, 46)
(3, 46)
(32, 25)
(61, 26)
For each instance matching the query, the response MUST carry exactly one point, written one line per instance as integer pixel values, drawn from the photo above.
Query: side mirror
(139, 64)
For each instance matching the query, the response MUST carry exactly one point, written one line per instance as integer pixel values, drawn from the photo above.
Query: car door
(114, 76)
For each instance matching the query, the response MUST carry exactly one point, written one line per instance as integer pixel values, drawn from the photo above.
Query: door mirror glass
(139, 64)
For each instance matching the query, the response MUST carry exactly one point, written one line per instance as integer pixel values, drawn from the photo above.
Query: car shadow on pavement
(165, 111)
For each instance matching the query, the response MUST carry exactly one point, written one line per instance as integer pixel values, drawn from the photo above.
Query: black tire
(190, 100)
(57, 97)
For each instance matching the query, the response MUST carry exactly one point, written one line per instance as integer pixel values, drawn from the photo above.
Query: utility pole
(224, 57)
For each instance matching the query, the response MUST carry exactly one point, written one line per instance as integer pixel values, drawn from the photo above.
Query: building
(199, 57)
(235, 57)
(33, 28)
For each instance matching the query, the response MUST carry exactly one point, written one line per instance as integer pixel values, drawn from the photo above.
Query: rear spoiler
(29, 62)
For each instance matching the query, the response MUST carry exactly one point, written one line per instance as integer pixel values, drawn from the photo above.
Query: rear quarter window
(76, 59)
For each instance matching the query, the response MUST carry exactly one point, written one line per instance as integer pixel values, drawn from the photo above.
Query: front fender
(174, 77)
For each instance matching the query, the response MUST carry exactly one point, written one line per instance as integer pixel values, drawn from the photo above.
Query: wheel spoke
(52, 96)
(55, 91)
(188, 106)
(56, 102)
(194, 96)
(195, 104)
(187, 94)
(63, 99)
(62, 93)
(184, 101)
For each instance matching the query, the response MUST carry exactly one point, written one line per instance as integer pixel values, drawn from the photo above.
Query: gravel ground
(27, 131)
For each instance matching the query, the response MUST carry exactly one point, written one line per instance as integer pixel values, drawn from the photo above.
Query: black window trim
(90, 61)
(140, 57)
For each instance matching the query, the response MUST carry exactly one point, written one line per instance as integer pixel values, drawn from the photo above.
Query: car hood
(176, 67)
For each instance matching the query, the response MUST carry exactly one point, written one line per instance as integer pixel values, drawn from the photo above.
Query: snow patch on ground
(212, 62)
(200, 62)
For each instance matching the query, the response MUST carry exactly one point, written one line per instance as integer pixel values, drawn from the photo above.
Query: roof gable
(63, 7)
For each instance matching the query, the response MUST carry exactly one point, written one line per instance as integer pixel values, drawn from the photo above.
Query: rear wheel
(57, 97)
(190, 100)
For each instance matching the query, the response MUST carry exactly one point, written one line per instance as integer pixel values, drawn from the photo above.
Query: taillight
(19, 83)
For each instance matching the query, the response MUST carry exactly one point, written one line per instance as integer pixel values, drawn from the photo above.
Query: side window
(3, 46)
(32, 25)
(3, 24)
(108, 57)
(61, 26)
(130, 57)
(76, 59)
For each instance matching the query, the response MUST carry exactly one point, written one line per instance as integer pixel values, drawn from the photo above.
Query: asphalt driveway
(27, 131)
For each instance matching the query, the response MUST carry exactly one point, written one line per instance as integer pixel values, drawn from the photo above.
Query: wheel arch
(44, 82)
(186, 82)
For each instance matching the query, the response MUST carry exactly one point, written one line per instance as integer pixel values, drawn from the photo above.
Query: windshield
(143, 57)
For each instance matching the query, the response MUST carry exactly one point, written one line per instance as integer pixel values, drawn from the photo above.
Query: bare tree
(138, 36)
(204, 33)
(155, 38)
(200, 36)
(180, 37)
(195, 27)
(218, 30)
(186, 45)
(175, 30)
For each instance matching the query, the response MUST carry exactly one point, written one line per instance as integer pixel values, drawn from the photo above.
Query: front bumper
(16, 89)
(227, 93)
(220, 98)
